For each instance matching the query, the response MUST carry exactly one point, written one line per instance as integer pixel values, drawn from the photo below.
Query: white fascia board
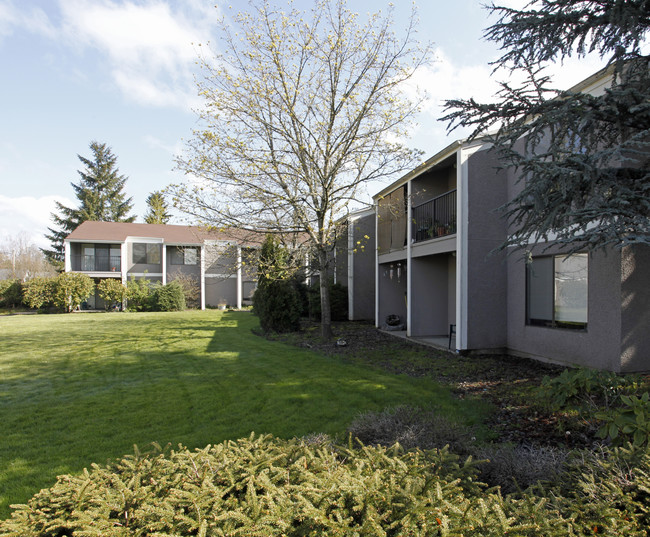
(93, 241)
(149, 240)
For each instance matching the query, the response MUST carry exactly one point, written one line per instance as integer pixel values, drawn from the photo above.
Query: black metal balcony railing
(94, 263)
(435, 218)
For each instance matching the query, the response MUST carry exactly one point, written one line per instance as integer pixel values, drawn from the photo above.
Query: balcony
(94, 263)
(434, 218)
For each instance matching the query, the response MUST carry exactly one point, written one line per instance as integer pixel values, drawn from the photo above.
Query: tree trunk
(325, 306)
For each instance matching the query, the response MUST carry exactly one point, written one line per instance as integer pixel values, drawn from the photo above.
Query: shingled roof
(119, 231)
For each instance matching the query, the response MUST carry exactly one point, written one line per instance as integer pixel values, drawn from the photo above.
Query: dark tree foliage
(157, 209)
(101, 198)
(276, 300)
(581, 158)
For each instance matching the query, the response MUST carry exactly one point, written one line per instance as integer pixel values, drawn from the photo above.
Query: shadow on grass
(103, 389)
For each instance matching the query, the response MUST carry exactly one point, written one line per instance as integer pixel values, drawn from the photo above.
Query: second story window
(184, 256)
(146, 254)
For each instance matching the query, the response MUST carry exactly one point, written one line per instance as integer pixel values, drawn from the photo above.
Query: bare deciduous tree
(302, 110)
(23, 260)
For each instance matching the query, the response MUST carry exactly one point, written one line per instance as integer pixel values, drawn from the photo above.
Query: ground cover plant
(264, 486)
(84, 388)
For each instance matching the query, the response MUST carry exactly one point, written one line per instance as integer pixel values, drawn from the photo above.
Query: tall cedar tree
(583, 159)
(302, 110)
(157, 209)
(101, 198)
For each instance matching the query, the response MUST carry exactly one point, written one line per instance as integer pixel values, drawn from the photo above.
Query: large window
(146, 254)
(184, 256)
(101, 257)
(556, 291)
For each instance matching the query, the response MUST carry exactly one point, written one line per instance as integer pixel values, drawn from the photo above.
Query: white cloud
(149, 46)
(444, 80)
(30, 215)
(34, 20)
(156, 143)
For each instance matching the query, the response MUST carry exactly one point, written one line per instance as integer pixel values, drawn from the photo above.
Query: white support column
(462, 266)
(124, 258)
(240, 284)
(377, 264)
(164, 264)
(67, 259)
(409, 268)
(202, 277)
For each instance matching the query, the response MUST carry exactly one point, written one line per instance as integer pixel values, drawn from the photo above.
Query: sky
(122, 72)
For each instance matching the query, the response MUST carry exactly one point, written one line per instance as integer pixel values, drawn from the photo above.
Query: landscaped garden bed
(523, 453)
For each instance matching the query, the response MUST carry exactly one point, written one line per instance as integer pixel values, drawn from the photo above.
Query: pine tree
(101, 198)
(158, 210)
(582, 158)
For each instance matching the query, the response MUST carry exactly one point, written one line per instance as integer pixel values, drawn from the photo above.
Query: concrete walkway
(438, 342)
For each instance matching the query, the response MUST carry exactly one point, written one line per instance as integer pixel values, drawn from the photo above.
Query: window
(146, 254)
(184, 256)
(101, 257)
(556, 291)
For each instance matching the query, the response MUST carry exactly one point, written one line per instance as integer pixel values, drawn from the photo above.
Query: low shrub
(584, 388)
(514, 468)
(411, 427)
(191, 288)
(266, 486)
(608, 483)
(168, 297)
(38, 292)
(138, 294)
(113, 292)
(629, 422)
(70, 289)
(11, 293)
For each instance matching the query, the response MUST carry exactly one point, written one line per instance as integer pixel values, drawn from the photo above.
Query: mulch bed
(505, 381)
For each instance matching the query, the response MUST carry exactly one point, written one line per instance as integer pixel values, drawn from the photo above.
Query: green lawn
(83, 388)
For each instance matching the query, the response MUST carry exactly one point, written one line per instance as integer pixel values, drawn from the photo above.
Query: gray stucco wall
(434, 183)
(487, 275)
(599, 345)
(635, 308)
(190, 270)
(221, 291)
(430, 296)
(363, 292)
(139, 268)
(392, 294)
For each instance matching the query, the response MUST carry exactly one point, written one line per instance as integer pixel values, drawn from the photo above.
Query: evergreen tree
(158, 210)
(101, 198)
(582, 158)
